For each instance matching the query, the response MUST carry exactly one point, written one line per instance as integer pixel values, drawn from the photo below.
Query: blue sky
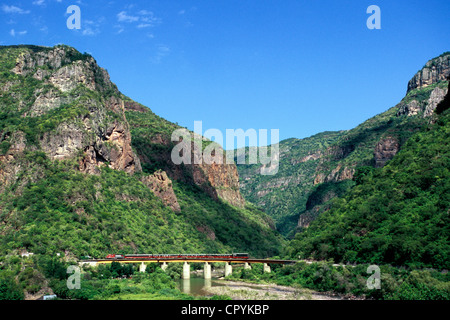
(302, 67)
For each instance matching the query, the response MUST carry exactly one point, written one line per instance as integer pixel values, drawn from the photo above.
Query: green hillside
(397, 214)
(284, 194)
(333, 158)
(76, 158)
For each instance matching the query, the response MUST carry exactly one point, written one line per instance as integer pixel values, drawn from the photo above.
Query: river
(198, 286)
(238, 290)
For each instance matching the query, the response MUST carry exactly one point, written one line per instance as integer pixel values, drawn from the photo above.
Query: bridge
(186, 260)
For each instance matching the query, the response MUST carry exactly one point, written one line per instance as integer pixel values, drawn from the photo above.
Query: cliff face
(221, 181)
(385, 150)
(428, 82)
(161, 186)
(84, 118)
(154, 148)
(100, 131)
(435, 70)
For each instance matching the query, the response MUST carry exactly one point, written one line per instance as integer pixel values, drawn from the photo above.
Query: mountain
(321, 167)
(397, 214)
(283, 194)
(85, 170)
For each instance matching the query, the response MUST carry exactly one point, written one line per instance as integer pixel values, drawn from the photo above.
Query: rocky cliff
(100, 131)
(434, 71)
(161, 186)
(96, 131)
(426, 88)
(385, 150)
(154, 148)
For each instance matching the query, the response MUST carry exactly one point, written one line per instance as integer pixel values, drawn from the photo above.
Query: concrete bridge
(186, 260)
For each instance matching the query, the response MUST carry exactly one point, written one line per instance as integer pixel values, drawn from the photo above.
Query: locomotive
(178, 256)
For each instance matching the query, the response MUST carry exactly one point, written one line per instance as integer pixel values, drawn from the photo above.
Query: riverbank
(238, 290)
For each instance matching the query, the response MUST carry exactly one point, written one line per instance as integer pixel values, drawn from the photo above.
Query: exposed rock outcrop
(9, 167)
(45, 101)
(219, 181)
(410, 109)
(69, 77)
(426, 107)
(437, 95)
(437, 69)
(161, 186)
(65, 68)
(307, 217)
(311, 156)
(53, 58)
(210, 234)
(113, 148)
(339, 152)
(134, 106)
(90, 129)
(339, 173)
(385, 150)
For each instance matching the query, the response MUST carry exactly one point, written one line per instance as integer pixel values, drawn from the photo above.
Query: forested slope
(397, 214)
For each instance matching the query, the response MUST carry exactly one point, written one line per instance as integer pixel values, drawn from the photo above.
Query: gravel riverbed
(249, 291)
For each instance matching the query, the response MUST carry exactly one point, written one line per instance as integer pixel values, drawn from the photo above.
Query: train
(178, 256)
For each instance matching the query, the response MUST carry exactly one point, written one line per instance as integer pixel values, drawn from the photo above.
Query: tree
(361, 173)
(9, 290)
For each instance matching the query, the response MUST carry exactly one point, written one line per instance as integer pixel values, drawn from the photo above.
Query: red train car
(178, 256)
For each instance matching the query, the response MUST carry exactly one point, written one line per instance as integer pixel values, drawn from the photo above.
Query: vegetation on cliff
(397, 214)
(330, 158)
(284, 194)
(71, 177)
(86, 171)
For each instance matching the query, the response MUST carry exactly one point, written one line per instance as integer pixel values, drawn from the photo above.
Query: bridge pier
(142, 267)
(228, 269)
(186, 271)
(207, 271)
(186, 285)
(164, 266)
(266, 268)
(247, 266)
(207, 284)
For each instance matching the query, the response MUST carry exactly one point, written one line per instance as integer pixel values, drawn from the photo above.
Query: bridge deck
(211, 260)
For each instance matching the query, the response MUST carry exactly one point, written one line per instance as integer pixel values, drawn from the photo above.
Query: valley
(87, 171)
